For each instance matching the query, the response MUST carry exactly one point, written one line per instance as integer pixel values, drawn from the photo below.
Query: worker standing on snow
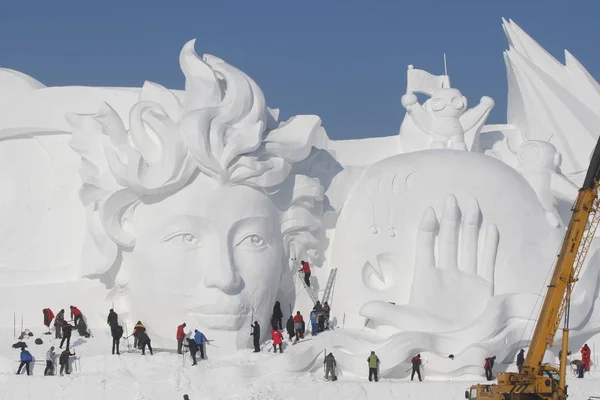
(50, 357)
(66, 334)
(26, 358)
(76, 314)
(277, 316)
(520, 360)
(290, 327)
(82, 328)
(180, 337)
(585, 356)
(58, 324)
(327, 310)
(313, 323)
(144, 340)
(63, 360)
(489, 364)
(277, 340)
(373, 361)
(330, 366)
(117, 334)
(298, 320)
(137, 329)
(306, 269)
(48, 317)
(416, 367)
(193, 346)
(112, 320)
(200, 340)
(255, 333)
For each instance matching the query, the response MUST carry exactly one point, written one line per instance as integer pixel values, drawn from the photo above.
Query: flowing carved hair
(219, 126)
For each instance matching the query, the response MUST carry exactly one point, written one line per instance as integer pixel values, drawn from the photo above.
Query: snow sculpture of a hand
(449, 292)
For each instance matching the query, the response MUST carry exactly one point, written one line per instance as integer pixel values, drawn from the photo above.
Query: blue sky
(342, 60)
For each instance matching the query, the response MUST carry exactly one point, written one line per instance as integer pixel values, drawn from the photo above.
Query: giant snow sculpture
(189, 205)
(189, 200)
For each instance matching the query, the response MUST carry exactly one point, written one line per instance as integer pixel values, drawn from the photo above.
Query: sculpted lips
(225, 314)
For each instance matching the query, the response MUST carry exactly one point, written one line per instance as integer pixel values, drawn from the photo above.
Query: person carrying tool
(50, 357)
(76, 314)
(63, 360)
(137, 329)
(26, 358)
(255, 336)
(416, 367)
(200, 340)
(277, 337)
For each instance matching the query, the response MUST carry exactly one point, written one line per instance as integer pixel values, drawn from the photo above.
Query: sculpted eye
(184, 239)
(457, 103)
(253, 241)
(438, 104)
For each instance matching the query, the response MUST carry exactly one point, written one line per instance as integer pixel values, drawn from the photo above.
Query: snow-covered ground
(96, 374)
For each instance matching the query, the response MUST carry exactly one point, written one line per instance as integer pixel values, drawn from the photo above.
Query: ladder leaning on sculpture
(328, 287)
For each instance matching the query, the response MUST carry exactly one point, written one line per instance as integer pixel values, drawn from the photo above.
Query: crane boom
(537, 381)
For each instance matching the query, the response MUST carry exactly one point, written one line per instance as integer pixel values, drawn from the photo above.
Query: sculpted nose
(220, 273)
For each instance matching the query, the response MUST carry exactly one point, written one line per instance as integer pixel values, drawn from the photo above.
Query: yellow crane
(536, 380)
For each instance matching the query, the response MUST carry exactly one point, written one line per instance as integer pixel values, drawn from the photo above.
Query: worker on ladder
(306, 269)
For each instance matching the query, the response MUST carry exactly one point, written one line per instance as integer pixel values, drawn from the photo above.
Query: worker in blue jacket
(200, 339)
(313, 323)
(26, 358)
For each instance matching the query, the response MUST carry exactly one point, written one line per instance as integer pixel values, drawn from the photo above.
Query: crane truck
(536, 380)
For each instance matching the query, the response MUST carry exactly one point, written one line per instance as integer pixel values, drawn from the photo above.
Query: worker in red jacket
(180, 337)
(277, 340)
(76, 315)
(306, 269)
(585, 356)
(298, 320)
(48, 317)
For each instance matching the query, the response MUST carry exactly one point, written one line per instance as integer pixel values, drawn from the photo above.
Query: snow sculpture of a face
(193, 211)
(439, 261)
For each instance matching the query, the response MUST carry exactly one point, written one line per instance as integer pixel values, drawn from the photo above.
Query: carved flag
(421, 81)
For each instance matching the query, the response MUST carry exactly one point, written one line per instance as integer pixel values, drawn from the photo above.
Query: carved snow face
(209, 255)
(535, 154)
(447, 102)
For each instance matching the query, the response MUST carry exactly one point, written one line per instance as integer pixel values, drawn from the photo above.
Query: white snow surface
(96, 374)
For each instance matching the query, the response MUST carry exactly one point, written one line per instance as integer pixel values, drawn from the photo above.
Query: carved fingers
(424, 252)
(448, 238)
(470, 232)
(459, 247)
(490, 250)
